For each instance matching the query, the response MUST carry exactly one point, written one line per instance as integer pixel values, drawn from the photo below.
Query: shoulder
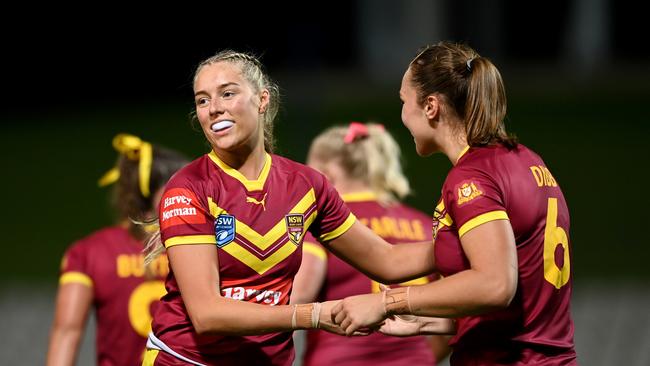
(193, 172)
(482, 161)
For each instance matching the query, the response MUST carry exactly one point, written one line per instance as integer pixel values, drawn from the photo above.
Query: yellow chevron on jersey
(264, 241)
(440, 218)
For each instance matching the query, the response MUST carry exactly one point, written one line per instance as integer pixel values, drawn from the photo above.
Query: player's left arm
(311, 275)
(73, 302)
(489, 284)
(386, 263)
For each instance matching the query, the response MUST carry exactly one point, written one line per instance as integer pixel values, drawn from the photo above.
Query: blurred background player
(106, 271)
(362, 161)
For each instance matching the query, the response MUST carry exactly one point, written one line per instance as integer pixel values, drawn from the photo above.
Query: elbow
(203, 321)
(501, 293)
(200, 325)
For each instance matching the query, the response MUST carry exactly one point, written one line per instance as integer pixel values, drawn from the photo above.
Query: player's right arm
(187, 232)
(196, 269)
(73, 302)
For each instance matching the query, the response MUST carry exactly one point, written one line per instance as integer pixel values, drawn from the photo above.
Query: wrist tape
(396, 301)
(306, 316)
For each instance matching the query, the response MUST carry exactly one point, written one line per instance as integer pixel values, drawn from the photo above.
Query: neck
(249, 162)
(452, 143)
(346, 186)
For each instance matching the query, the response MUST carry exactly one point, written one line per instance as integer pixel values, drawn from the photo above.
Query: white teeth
(221, 125)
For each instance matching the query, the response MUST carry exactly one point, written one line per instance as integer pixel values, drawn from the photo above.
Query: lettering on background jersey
(268, 297)
(179, 207)
(543, 176)
(132, 265)
(390, 227)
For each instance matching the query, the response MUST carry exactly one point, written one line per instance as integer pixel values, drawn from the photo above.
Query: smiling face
(228, 107)
(415, 118)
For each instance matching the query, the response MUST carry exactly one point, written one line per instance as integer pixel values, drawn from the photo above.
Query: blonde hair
(373, 158)
(153, 246)
(471, 85)
(253, 72)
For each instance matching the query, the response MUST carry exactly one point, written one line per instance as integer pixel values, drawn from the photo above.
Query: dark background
(576, 74)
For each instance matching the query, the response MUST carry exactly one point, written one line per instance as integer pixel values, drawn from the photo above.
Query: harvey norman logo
(177, 211)
(179, 206)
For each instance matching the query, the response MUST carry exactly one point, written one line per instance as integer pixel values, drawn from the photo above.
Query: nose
(216, 107)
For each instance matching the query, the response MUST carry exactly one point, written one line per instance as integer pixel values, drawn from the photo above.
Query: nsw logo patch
(295, 227)
(224, 229)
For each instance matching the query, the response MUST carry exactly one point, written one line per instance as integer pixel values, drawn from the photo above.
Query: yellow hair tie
(134, 149)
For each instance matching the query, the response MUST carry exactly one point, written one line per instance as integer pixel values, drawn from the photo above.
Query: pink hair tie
(356, 131)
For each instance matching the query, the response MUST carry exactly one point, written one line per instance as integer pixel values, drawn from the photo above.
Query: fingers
(341, 317)
(336, 310)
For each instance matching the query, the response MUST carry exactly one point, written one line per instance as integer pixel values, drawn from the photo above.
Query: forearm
(232, 317)
(63, 346)
(437, 326)
(466, 293)
(406, 262)
(380, 260)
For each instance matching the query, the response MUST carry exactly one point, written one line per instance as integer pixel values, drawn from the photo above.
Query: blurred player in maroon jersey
(362, 161)
(105, 270)
(501, 227)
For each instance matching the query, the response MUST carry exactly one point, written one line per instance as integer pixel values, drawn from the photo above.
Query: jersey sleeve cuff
(340, 230)
(190, 239)
(482, 219)
(75, 277)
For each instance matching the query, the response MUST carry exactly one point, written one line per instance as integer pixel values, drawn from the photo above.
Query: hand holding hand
(359, 313)
(326, 322)
(410, 325)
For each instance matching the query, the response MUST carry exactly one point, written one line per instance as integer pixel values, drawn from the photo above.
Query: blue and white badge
(224, 229)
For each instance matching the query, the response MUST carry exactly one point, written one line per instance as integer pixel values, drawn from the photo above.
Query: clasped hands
(363, 314)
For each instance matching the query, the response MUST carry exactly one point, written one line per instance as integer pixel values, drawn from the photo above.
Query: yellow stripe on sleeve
(482, 219)
(76, 277)
(190, 239)
(340, 230)
(315, 250)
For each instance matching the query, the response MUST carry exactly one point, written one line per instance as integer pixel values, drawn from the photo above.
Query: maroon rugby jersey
(258, 228)
(396, 224)
(110, 261)
(494, 183)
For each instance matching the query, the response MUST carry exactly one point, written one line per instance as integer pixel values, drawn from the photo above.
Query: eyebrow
(222, 86)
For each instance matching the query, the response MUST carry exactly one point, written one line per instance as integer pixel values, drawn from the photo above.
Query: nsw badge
(224, 229)
(295, 227)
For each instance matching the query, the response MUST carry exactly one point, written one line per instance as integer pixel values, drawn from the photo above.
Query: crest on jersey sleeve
(295, 227)
(467, 192)
(224, 229)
